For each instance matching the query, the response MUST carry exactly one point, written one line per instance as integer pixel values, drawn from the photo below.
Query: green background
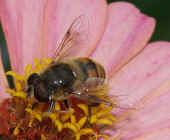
(159, 9)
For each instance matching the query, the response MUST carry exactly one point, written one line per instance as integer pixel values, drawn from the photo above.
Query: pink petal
(162, 134)
(61, 14)
(3, 83)
(127, 33)
(22, 24)
(145, 84)
(158, 134)
(144, 73)
(151, 114)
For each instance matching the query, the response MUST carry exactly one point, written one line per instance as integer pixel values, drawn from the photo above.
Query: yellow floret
(71, 126)
(34, 114)
(68, 115)
(55, 119)
(15, 75)
(59, 123)
(16, 130)
(40, 65)
(84, 108)
(43, 137)
(78, 127)
(102, 115)
(16, 93)
(57, 106)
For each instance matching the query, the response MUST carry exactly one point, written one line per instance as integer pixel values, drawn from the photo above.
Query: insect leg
(28, 91)
(51, 106)
(66, 104)
(34, 105)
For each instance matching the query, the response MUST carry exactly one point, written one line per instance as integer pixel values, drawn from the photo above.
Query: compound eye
(33, 78)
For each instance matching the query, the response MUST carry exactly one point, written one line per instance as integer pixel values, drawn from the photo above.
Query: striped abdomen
(86, 68)
(90, 68)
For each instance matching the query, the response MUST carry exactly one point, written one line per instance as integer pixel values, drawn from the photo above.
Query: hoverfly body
(66, 77)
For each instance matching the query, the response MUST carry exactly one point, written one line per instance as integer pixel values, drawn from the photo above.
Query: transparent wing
(76, 35)
(93, 90)
(92, 84)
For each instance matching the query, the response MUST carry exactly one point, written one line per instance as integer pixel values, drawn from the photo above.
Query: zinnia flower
(118, 33)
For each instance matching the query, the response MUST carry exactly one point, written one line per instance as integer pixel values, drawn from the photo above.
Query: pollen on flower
(21, 117)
